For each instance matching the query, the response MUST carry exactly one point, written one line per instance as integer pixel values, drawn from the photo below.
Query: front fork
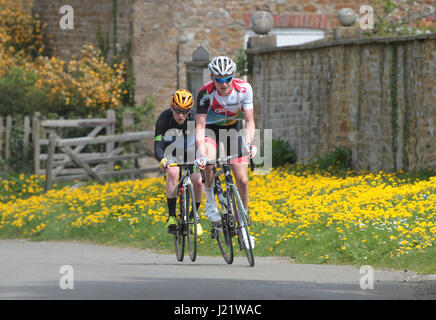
(183, 189)
(225, 201)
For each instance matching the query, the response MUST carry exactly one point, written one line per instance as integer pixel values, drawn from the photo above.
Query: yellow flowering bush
(98, 83)
(20, 32)
(82, 86)
(85, 84)
(6, 61)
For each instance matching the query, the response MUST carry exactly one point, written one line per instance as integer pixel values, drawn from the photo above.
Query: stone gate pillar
(197, 73)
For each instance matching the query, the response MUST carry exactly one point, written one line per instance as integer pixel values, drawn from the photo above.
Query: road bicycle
(186, 213)
(234, 219)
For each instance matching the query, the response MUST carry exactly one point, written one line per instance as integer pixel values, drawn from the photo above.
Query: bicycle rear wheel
(191, 212)
(222, 233)
(179, 236)
(241, 221)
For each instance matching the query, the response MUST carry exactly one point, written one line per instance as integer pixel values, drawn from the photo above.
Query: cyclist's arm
(159, 149)
(247, 107)
(159, 132)
(200, 129)
(203, 102)
(250, 126)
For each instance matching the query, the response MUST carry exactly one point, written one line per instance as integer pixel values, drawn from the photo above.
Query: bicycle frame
(185, 190)
(184, 173)
(236, 221)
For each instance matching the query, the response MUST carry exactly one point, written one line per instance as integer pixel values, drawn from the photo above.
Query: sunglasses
(178, 111)
(223, 80)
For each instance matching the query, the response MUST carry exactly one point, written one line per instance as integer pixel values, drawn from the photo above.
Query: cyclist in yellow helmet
(172, 135)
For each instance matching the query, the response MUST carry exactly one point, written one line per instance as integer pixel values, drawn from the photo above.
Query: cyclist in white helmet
(221, 104)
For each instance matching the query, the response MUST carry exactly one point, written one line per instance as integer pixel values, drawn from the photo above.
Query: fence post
(8, 137)
(1, 137)
(50, 160)
(36, 141)
(110, 130)
(26, 135)
(128, 124)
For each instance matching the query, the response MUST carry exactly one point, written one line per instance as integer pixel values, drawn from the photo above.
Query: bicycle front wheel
(191, 212)
(222, 233)
(179, 236)
(242, 231)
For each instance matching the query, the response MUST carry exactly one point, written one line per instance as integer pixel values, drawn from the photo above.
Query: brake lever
(252, 164)
(203, 179)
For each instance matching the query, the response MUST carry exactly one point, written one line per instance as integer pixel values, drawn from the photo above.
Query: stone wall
(375, 97)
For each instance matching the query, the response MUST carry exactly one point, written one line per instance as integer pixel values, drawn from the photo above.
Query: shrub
(338, 159)
(243, 63)
(18, 94)
(282, 153)
(143, 114)
(395, 18)
(20, 161)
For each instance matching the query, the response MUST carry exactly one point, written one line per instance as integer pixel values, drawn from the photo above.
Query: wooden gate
(70, 155)
(42, 128)
(70, 159)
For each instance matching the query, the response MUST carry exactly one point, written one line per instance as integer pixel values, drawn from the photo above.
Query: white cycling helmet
(222, 66)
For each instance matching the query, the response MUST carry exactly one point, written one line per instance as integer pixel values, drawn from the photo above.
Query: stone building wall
(375, 97)
(217, 25)
(88, 17)
(154, 26)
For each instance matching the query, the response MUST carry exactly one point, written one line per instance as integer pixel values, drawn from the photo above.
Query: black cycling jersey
(168, 130)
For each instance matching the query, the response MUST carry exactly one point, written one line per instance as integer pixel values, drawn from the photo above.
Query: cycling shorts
(232, 140)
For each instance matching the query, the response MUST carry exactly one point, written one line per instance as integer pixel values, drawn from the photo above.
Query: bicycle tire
(223, 237)
(179, 236)
(191, 221)
(242, 224)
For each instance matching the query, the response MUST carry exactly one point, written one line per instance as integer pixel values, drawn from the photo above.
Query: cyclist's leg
(190, 154)
(171, 194)
(240, 172)
(198, 188)
(198, 191)
(172, 182)
(210, 155)
(211, 208)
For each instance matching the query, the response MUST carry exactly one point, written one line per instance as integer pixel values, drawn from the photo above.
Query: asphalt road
(34, 270)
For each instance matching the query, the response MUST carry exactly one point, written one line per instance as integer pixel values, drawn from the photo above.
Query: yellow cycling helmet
(182, 99)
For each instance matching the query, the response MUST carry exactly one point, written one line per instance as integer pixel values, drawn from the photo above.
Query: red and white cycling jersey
(225, 110)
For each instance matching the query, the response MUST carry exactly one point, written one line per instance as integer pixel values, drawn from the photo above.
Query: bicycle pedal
(217, 226)
(213, 233)
(219, 229)
(172, 229)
